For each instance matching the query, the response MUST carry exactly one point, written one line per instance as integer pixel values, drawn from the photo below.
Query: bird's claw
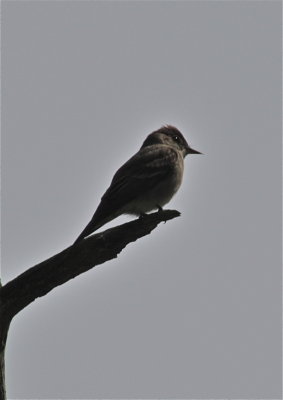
(160, 209)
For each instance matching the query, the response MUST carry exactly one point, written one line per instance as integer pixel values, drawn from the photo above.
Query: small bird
(147, 181)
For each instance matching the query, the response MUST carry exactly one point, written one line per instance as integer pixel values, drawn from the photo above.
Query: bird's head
(170, 136)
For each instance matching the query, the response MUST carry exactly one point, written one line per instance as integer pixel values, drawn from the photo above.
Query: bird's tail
(92, 226)
(99, 219)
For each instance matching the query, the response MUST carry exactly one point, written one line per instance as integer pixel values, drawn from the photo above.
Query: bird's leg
(160, 209)
(142, 215)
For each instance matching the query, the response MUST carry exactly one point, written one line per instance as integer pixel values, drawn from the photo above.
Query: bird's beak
(192, 151)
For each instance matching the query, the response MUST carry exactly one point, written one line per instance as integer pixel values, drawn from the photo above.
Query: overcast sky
(194, 309)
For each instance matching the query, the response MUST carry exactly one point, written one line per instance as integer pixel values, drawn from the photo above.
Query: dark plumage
(147, 181)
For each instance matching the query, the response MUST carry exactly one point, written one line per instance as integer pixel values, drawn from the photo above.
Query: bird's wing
(139, 174)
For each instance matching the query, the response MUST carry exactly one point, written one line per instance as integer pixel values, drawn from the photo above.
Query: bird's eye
(176, 138)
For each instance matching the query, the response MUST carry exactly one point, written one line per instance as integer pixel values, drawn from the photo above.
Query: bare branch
(73, 261)
(69, 263)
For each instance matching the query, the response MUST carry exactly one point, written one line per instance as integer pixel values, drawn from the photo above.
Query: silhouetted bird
(147, 181)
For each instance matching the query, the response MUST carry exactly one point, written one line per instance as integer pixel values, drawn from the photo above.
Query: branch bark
(69, 263)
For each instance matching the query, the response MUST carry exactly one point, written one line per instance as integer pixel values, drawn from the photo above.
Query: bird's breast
(160, 194)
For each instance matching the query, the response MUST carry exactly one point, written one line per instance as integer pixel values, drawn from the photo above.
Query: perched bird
(147, 181)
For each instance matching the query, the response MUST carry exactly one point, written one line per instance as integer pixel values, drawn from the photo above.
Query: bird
(146, 182)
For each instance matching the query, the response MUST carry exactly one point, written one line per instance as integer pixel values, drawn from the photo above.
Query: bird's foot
(142, 215)
(160, 209)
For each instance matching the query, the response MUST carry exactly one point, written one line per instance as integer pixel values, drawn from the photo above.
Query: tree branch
(69, 263)
(73, 261)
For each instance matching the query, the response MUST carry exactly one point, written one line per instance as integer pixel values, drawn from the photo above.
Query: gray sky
(194, 309)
